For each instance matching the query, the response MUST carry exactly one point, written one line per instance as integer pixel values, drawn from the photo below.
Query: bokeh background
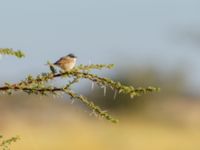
(151, 42)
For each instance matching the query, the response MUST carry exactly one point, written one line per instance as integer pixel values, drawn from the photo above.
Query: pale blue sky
(135, 31)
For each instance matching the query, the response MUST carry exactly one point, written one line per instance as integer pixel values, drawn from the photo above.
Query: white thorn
(89, 62)
(92, 87)
(72, 102)
(95, 114)
(92, 113)
(115, 94)
(104, 90)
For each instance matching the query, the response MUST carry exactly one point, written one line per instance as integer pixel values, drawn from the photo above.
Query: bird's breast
(69, 65)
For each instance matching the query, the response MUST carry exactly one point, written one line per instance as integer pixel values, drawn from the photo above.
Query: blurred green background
(151, 42)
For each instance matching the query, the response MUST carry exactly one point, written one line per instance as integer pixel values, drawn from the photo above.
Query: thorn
(72, 102)
(104, 90)
(92, 113)
(115, 94)
(89, 62)
(92, 87)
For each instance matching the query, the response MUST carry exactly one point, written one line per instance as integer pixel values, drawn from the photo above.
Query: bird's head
(71, 55)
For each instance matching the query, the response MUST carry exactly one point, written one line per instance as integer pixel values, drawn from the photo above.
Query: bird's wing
(60, 61)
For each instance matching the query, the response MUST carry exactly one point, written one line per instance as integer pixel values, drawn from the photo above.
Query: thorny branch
(39, 85)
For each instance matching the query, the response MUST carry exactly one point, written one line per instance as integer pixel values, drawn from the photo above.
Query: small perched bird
(66, 63)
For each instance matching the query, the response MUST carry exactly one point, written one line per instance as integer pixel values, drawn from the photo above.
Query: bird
(66, 63)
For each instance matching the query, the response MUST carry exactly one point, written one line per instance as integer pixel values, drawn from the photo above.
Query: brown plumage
(66, 63)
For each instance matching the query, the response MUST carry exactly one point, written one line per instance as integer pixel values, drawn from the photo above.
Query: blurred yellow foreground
(44, 124)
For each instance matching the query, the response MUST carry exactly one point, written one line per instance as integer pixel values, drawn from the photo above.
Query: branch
(5, 144)
(109, 83)
(9, 51)
(39, 85)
